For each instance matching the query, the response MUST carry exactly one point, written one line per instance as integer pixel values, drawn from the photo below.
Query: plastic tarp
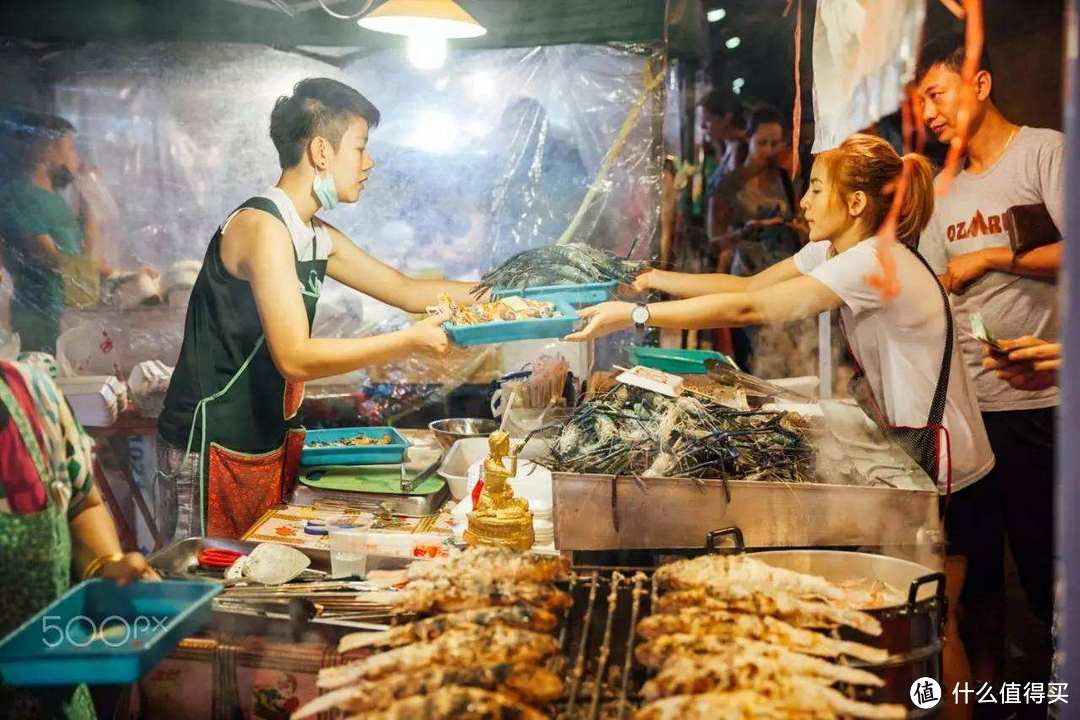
(864, 56)
(489, 155)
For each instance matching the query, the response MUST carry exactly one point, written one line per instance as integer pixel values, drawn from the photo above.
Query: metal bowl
(449, 431)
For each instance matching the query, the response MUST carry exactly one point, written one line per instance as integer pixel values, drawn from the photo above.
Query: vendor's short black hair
(762, 115)
(947, 50)
(720, 102)
(318, 107)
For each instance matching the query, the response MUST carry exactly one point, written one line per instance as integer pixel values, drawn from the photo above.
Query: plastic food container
(102, 634)
(577, 295)
(500, 331)
(358, 455)
(349, 547)
(678, 361)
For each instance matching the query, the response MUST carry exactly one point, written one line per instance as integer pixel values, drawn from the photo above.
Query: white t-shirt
(899, 345)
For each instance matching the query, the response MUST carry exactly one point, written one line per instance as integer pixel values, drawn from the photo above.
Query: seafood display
(632, 431)
(566, 264)
(504, 310)
(480, 651)
(354, 441)
(734, 637)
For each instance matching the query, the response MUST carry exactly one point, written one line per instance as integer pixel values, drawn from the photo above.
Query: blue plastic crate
(500, 331)
(99, 633)
(359, 455)
(576, 295)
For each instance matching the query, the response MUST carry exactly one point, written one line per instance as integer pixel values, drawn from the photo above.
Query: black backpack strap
(937, 406)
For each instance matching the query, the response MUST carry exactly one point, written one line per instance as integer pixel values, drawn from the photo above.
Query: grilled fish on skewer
(520, 616)
(527, 683)
(495, 563)
(456, 703)
(747, 665)
(687, 609)
(740, 574)
(447, 595)
(789, 698)
(711, 640)
(457, 648)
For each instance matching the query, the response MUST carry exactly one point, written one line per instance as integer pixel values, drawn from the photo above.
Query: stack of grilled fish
(477, 651)
(733, 638)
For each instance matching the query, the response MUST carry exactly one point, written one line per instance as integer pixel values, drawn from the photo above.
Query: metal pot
(912, 632)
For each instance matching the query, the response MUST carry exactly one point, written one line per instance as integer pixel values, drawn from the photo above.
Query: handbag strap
(941, 392)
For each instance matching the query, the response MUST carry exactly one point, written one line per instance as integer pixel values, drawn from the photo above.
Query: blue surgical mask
(325, 190)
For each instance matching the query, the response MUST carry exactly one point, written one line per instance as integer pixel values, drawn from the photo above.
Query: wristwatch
(640, 315)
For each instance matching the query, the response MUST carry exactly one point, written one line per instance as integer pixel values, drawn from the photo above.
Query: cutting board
(381, 479)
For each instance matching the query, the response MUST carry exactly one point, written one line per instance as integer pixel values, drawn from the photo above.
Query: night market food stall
(672, 538)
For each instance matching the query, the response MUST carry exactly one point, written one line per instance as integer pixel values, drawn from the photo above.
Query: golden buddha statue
(499, 518)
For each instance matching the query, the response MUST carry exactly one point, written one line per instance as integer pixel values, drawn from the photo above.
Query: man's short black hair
(318, 107)
(29, 133)
(720, 102)
(947, 50)
(762, 115)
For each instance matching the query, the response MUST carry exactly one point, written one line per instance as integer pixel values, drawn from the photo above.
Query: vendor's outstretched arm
(351, 266)
(801, 297)
(685, 285)
(263, 255)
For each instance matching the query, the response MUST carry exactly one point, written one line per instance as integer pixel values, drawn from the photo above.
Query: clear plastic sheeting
(864, 56)
(490, 155)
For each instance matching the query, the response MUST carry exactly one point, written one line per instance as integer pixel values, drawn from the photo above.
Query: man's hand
(130, 568)
(603, 319)
(428, 335)
(1031, 363)
(964, 270)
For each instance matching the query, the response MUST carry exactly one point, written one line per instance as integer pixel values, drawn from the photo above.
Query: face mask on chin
(325, 190)
(60, 177)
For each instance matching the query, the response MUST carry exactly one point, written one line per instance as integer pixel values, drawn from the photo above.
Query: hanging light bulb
(427, 18)
(426, 52)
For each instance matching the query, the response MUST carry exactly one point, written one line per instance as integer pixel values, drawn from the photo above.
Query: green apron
(35, 562)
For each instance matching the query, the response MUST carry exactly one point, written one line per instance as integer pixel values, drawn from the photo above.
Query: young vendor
(230, 436)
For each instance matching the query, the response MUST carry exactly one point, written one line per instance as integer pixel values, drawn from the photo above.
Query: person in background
(967, 244)
(725, 130)
(763, 226)
(53, 524)
(851, 189)
(41, 230)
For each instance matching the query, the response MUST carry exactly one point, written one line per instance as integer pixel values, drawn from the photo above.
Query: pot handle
(713, 538)
(913, 592)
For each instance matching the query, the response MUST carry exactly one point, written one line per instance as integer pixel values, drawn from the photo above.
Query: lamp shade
(438, 18)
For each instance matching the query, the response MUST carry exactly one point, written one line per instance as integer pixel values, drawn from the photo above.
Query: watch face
(640, 315)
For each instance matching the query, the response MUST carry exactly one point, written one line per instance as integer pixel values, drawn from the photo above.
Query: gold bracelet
(95, 565)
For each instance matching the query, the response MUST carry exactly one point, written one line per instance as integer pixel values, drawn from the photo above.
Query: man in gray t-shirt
(967, 244)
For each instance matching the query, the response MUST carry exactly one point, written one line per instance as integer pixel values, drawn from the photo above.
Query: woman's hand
(1031, 363)
(128, 569)
(646, 281)
(603, 319)
(428, 335)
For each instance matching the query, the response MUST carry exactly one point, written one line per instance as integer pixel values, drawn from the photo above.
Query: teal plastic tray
(360, 455)
(99, 633)
(576, 295)
(501, 331)
(677, 361)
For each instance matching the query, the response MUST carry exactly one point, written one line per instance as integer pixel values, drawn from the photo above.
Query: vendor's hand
(128, 569)
(964, 270)
(428, 335)
(603, 319)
